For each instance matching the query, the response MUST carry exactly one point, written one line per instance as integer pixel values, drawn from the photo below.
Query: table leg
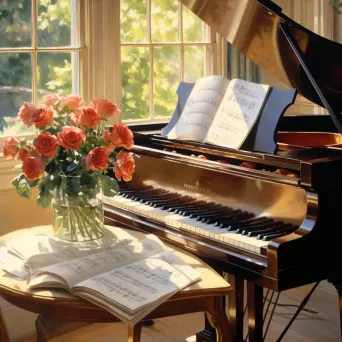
(134, 332)
(219, 320)
(4, 337)
(255, 312)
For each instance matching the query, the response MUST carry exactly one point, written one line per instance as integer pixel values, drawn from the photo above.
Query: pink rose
(11, 148)
(71, 101)
(97, 159)
(122, 136)
(33, 167)
(50, 100)
(124, 166)
(105, 108)
(25, 112)
(23, 154)
(70, 137)
(87, 116)
(46, 144)
(41, 117)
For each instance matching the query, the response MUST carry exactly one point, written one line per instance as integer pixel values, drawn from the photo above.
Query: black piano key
(193, 212)
(271, 237)
(267, 230)
(233, 219)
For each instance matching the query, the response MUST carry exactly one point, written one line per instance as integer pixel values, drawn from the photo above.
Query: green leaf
(88, 180)
(44, 200)
(109, 185)
(23, 188)
(18, 167)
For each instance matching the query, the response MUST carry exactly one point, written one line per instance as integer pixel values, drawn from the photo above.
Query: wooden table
(204, 296)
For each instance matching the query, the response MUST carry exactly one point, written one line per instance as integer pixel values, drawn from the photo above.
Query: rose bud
(11, 148)
(124, 166)
(46, 145)
(23, 154)
(122, 136)
(105, 108)
(50, 100)
(292, 174)
(110, 147)
(282, 172)
(70, 137)
(248, 165)
(33, 167)
(97, 159)
(87, 116)
(25, 112)
(202, 157)
(71, 101)
(41, 117)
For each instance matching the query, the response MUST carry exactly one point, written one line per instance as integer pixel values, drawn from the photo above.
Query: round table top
(60, 303)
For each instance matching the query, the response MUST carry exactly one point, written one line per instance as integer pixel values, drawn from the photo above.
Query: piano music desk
(55, 306)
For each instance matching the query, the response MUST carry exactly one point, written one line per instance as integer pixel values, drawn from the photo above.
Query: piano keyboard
(221, 223)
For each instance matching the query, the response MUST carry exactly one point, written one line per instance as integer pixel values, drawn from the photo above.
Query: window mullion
(151, 53)
(181, 40)
(34, 52)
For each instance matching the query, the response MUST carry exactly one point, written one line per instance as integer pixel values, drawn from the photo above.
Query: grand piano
(271, 220)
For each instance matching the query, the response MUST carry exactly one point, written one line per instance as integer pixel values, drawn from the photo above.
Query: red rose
(25, 112)
(248, 165)
(97, 159)
(41, 117)
(23, 154)
(122, 136)
(87, 116)
(11, 148)
(105, 108)
(46, 144)
(70, 137)
(33, 167)
(124, 166)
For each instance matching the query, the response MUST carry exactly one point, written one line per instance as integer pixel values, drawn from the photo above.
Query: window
(39, 54)
(162, 43)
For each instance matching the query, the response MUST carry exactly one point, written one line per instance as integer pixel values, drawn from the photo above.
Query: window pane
(15, 23)
(54, 23)
(133, 21)
(135, 82)
(194, 62)
(166, 80)
(193, 27)
(164, 20)
(55, 73)
(15, 89)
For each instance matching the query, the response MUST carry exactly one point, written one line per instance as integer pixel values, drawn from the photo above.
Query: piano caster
(148, 323)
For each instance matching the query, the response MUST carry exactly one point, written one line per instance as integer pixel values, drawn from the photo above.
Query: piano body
(270, 219)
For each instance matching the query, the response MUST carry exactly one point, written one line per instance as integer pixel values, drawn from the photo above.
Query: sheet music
(200, 109)
(237, 114)
(120, 239)
(136, 285)
(77, 270)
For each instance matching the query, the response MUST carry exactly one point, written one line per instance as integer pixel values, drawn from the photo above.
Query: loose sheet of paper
(200, 109)
(237, 114)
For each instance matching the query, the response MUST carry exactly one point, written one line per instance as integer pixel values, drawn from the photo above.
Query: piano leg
(255, 312)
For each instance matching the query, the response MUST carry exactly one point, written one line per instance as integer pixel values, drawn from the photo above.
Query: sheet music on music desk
(200, 109)
(237, 114)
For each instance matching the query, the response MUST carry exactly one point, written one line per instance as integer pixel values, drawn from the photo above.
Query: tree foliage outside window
(54, 69)
(159, 51)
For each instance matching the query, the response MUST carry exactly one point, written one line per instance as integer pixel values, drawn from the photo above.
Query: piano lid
(256, 28)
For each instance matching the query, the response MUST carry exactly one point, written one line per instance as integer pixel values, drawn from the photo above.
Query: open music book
(220, 112)
(129, 281)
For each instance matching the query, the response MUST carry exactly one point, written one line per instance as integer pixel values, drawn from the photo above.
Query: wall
(317, 16)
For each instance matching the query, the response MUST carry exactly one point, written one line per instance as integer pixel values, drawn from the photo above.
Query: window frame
(35, 49)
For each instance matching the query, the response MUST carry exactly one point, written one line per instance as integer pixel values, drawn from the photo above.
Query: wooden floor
(320, 325)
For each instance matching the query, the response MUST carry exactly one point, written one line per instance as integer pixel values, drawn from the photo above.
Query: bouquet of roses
(71, 140)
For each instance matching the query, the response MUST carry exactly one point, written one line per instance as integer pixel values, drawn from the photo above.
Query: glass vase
(77, 211)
